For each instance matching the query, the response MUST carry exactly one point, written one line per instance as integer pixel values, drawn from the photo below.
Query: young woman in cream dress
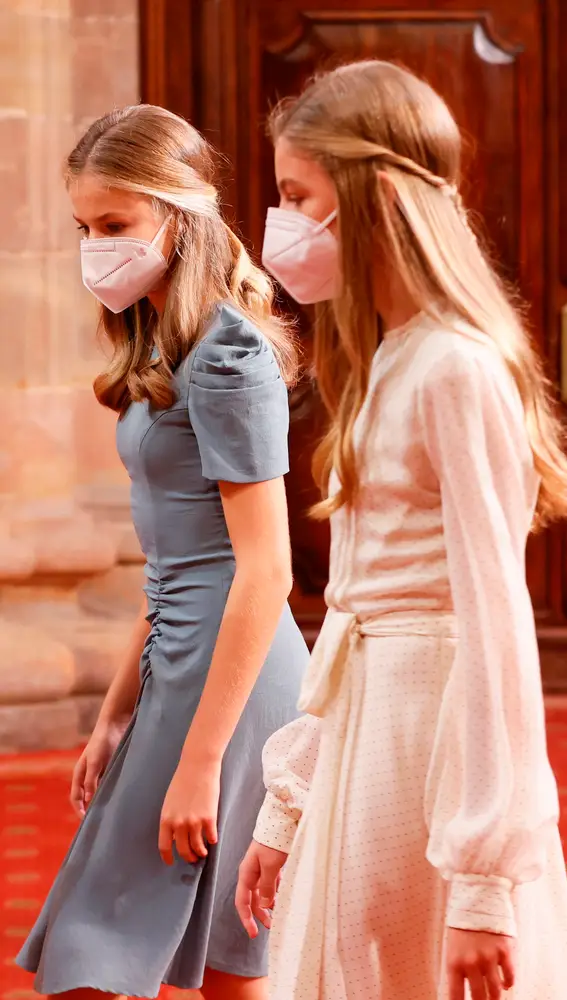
(414, 798)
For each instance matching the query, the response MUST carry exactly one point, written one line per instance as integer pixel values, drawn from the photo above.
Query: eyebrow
(104, 217)
(288, 182)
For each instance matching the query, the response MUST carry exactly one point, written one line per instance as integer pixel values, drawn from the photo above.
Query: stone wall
(70, 569)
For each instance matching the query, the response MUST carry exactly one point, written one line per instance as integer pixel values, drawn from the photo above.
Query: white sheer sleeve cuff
(276, 824)
(481, 903)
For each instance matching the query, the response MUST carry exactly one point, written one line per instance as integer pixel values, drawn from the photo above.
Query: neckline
(399, 331)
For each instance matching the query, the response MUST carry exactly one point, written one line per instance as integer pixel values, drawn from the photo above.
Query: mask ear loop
(160, 231)
(327, 222)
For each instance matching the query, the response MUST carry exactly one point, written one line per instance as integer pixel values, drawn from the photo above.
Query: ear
(388, 187)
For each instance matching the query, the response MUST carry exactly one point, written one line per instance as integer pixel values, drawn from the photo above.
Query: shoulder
(238, 403)
(458, 360)
(466, 390)
(233, 348)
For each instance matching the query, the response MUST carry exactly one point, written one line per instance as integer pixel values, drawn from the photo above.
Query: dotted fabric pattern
(432, 801)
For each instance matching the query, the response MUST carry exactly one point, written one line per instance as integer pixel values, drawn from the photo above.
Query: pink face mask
(120, 270)
(302, 255)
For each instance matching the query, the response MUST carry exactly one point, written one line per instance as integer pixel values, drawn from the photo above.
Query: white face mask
(302, 255)
(120, 270)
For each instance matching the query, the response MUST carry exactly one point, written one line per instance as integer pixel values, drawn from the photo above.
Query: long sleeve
(289, 760)
(491, 799)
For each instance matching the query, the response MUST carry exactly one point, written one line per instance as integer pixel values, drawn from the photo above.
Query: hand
(485, 961)
(93, 762)
(190, 810)
(258, 883)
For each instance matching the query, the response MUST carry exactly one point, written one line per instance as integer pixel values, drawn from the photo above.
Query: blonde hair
(152, 152)
(371, 117)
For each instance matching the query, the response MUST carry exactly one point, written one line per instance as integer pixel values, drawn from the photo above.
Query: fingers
(188, 837)
(76, 795)
(247, 901)
(165, 841)
(210, 831)
(195, 831)
(493, 981)
(507, 967)
(476, 983)
(262, 913)
(456, 984)
(268, 885)
(243, 900)
(183, 845)
(92, 775)
(484, 980)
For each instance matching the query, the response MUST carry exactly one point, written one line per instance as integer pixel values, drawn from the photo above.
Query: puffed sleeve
(238, 404)
(289, 761)
(491, 799)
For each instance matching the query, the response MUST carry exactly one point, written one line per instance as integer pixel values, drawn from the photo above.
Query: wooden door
(222, 63)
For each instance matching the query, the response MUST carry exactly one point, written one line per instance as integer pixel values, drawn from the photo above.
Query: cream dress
(417, 792)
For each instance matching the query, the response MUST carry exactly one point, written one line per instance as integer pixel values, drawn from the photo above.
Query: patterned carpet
(37, 823)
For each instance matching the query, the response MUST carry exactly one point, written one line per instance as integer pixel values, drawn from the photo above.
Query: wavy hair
(373, 117)
(150, 151)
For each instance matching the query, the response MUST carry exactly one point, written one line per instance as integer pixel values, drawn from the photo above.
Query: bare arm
(113, 719)
(256, 517)
(121, 696)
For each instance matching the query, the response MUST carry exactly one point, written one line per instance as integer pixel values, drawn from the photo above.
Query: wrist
(108, 718)
(200, 755)
(481, 903)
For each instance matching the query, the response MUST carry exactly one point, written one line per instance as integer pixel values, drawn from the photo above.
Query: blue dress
(117, 918)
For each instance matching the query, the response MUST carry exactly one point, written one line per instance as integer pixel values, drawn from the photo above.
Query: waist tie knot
(339, 636)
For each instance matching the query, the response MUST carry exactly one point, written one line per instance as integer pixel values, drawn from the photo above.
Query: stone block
(45, 442)
(13, 83)
(44, 726)
(14, 180)
(25, 344)
(99, 469)
(34, 59)
(114, 595)
(104, 8)
(33, 666)
(52, 225)
(72, 546)
(88, 708)
(99, 646)
(17, 559)
(61, 725)
(105, 51)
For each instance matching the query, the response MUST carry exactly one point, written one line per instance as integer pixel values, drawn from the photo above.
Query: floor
(37, 823)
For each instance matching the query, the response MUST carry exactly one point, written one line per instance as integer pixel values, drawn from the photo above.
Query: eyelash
(113, 228)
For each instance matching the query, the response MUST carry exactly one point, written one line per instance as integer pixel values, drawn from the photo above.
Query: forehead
(294, 166)
(92, 196)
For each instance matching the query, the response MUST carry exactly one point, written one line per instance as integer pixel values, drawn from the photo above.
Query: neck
(158, 297)
(393, 302)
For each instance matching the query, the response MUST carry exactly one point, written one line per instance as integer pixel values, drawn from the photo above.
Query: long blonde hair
(150, 151)
(371, 117)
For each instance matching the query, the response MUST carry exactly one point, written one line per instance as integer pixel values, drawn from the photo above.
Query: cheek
(321, 206)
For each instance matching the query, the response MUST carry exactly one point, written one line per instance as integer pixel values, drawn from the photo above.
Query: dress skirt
(361, 912)
(117, 918)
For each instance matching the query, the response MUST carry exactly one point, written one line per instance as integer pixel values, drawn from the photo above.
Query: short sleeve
(238, 404)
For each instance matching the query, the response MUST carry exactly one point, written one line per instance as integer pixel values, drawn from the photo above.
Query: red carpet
(37, 823)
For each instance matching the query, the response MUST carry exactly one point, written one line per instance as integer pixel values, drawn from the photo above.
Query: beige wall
(66, 583)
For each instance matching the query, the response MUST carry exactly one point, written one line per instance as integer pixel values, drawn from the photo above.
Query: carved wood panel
(234, 58)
